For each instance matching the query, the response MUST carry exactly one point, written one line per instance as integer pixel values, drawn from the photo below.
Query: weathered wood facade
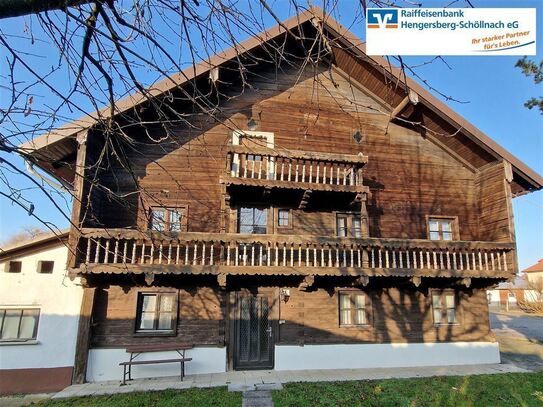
(336, 138)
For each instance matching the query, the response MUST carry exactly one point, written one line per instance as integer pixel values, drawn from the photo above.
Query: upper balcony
(272, 168)
(130, 251)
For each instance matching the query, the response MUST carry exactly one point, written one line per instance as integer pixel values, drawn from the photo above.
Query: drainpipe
(30, 168)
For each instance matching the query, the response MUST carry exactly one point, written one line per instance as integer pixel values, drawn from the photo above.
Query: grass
(513, 389)
(217, 396)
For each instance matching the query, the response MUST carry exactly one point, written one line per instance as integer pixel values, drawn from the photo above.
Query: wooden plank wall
(398, 315)
(494, 214)
(200, 322)
(409, 176)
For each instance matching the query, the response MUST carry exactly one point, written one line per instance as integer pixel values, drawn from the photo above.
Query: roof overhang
(55, 145)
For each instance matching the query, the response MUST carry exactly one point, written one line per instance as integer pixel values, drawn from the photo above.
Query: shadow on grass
(510, 389)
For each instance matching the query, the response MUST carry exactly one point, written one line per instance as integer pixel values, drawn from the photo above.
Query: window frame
(368, 308)
(22, 308)
(41, 264)
(139, 311)
(8, 266)
(444, 309)
(349, 219)
(455, 233)
(253, 207)
(289, 218)
(182, 209)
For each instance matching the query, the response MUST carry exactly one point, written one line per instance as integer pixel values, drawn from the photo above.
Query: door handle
(269, 330)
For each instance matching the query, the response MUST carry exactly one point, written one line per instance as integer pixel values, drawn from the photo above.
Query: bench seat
(149, 362)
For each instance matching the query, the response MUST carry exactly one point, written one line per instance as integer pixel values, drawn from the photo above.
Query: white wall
(103, 364)
(351, 356)
(59, 300)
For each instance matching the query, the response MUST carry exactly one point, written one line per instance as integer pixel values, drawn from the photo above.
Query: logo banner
(451, 31)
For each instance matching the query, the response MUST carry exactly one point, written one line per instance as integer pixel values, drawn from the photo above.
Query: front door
(254, 342)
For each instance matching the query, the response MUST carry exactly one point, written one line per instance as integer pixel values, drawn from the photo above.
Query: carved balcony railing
(294, 169)
(124, 250)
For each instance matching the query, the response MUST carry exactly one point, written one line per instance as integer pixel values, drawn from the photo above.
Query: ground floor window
(444, 307)
(156, 313)
(353, 308)
(18, 324)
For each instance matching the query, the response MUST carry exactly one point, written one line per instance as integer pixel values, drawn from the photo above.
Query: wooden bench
(135, 351)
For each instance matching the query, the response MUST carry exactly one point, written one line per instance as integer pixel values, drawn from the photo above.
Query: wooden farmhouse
(328, 213)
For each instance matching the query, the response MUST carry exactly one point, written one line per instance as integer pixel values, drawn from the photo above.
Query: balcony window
(348, 225)
(252, 220)
(283, 218)
(168, 219)
(441, 228)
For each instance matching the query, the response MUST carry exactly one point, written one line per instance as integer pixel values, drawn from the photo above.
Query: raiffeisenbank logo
(383, 18)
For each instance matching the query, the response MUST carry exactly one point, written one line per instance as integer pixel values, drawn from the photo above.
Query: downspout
(30, 168)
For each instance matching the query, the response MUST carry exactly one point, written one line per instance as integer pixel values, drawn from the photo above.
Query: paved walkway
(265, 380)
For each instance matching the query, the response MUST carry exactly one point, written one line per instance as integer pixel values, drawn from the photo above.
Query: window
(168, 219)
(283, 217)
(353, 308)
(18, 324)
(252, 220)
(440, 228)
(444, 307)
(157, 312)
(14, 267)
(45, 266)
(348, 225)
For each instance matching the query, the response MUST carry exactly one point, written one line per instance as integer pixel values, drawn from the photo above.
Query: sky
(494, 89)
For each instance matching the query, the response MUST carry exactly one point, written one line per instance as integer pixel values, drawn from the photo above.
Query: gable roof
(40, 241)
(60, 142)
(536, 268)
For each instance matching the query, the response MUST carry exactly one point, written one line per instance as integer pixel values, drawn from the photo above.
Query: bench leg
(182, 370)
(124, 376)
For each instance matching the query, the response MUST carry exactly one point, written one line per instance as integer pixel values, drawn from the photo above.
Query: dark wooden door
(254, 339)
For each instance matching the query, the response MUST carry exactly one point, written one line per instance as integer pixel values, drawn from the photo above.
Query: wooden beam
(305, 199)
(149, 277)
(306, 283)
(79, 183)
(416, 280)
(362, 280)
(83, 336)
(398, 109)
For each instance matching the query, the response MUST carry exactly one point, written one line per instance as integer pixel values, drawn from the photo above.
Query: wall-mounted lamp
(357, 136)
(251, 124)
(284, 294)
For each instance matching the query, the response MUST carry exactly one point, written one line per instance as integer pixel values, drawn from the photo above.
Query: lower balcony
(123, 251)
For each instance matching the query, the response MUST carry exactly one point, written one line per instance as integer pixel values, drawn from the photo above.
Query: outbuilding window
(45, 266)
(18, 324)
(353, 308)
(14, 267)
(156, 313)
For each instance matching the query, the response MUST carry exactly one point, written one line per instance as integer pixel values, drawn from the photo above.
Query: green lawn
(513, 389)
(217, 396)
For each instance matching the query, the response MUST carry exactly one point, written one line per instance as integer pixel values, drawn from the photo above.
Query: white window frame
(270, 143)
